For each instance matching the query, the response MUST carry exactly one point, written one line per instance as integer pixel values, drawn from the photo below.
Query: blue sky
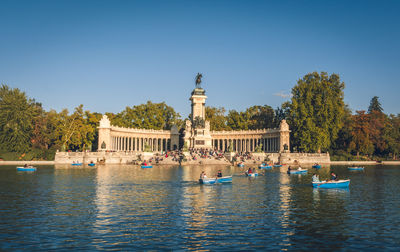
(111, 54)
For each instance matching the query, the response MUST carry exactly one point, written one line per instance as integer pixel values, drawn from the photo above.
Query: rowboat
(211, 181)
(344, 183)
(264, 166)
(355, 168)
(26, 168)
(302, 171)
(278, 165)
(240, 165)
(91, 164)
(147, 166)
(76, 164)
(255, 174)
(316, 166)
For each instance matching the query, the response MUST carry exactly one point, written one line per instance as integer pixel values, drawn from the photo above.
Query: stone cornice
(244, 132)
(135, 130)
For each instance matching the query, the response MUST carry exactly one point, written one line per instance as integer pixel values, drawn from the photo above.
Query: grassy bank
(32, 155)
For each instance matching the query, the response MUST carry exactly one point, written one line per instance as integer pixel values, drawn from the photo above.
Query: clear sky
(111, 54)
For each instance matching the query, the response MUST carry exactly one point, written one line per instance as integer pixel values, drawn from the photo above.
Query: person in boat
(333, 176)
(219, 174)
(315, 178)
(289, 169)
(249, 171)
(203, 175)
(300, 168)
(26, 165)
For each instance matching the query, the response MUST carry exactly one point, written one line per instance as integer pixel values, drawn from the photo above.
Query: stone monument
(197, 129)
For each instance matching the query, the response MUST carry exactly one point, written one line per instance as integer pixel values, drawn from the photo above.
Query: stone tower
(197, 130)
(104, 134)
(284, 137)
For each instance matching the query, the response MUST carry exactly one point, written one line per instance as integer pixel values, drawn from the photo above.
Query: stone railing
(134, 130)
(244, 132)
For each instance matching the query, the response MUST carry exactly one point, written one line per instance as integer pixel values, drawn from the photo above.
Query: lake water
(164, 208)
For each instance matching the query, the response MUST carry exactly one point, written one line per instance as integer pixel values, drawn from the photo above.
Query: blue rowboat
(302, 171)
(355, 168)
(91, 164)
(332, 184)
(240, 165)
(265, 167)
(76, 163)
(211, 181)
(26, 168)
(147, 166)
(255, 174)
(316, 166)
(278, 165)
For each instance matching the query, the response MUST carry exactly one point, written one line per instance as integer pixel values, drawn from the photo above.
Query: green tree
(237, 120)
(17, 113)
(92, 120)
(391, 134)
(361, 142)
(217, 118)
(316, 111)
(260, 117)
(375, 105)
(147, 116)
(344, 138)
(377, 122)
(281, 113)
(73, 131)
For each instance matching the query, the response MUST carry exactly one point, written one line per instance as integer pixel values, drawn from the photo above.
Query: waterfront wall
(305, 158)
(27, 162)
(131, 157)
(95, 157)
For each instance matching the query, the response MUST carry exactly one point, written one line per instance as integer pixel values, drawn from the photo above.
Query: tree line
(318, 117)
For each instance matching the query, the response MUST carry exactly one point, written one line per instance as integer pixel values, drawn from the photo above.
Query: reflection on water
(125, 207)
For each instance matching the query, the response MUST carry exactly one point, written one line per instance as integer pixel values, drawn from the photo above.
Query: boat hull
(26, 168)
(355, 168)
(265, 167)
(76, 164)
(211, 181)
(316, 166)
(91, 164)
(251, 174)
(297, 171)
(278, 165)
(333, 184)
(147, 166)
(240, 165)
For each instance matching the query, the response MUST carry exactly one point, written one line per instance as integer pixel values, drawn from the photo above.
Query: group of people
(204, 176)
(243, 156)
(205, 154)
(315, 177)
